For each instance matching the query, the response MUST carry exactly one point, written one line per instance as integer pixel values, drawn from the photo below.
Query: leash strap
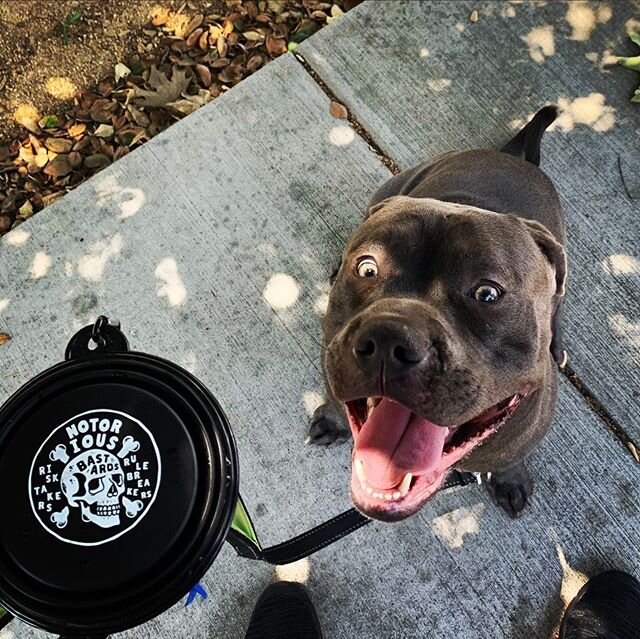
(243, 538)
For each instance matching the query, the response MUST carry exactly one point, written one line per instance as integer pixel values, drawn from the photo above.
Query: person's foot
(607, 607)
(284, 611)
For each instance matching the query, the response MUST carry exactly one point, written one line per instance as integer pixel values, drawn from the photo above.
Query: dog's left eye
(487, 293)
(367, 267)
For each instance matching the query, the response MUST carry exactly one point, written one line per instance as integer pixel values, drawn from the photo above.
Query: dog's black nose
(391, 344)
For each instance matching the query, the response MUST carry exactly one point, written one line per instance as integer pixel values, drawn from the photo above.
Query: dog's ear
(552, 250)
(374, 207)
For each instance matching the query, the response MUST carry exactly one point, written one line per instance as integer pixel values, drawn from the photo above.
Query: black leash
(321, 536)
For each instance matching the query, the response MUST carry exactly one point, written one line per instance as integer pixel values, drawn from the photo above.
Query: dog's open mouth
(401, 459)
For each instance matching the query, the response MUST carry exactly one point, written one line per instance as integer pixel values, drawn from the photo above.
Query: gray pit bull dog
(443, 325)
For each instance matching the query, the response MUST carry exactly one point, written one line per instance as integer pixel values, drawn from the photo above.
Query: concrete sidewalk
(212, 244)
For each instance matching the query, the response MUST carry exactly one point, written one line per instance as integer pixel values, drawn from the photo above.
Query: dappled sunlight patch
(281, 291)
(621, 264)
(452, 527)
(583, 18)
(91, 266)
(572, 580)
(541, 43)
(168, 282)
(341, 135)
(4, 303)
(39, 266)
(629, 331)
(602, 61)
(61, 88)
(439, 84)
(590, 110)
(128, 199)
(632, 25)
(26, 115)
(297, 571)
(508, 11)
(424, 52)
(17, 237)
(312, 399)
(268, 249)
(460, 27)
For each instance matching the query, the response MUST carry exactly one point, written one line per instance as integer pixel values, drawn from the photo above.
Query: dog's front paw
(510, 489)
(328, 427)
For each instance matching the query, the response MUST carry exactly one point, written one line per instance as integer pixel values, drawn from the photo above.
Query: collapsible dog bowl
(120, 479)
(120, 484)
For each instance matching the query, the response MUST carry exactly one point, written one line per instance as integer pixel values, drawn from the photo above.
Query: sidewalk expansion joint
(353, 121)
(595, 405)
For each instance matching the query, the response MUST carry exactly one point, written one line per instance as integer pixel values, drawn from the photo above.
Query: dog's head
(438, 325)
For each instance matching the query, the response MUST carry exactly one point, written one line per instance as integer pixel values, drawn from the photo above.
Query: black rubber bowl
(120, 478)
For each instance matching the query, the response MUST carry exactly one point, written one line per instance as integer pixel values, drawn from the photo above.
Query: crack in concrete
(353, 121)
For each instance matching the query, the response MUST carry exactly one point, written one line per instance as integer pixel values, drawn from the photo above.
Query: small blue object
(194, 592)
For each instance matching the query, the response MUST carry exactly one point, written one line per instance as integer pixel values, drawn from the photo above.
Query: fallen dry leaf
(58, 145)
(26, 210)
(191, 103)
(475, 16)
(4, 338)
(164, 90)
(338, 110)
(58, 167)
(104, 131)
(121, 71)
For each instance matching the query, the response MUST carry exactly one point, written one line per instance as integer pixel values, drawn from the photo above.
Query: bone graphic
(132, 507)
(60, 519)
(59, 453)
(129, 445)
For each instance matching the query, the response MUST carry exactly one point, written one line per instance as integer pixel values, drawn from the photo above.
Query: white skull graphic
(94, 481)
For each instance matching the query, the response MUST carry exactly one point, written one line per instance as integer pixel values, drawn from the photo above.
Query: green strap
(242, 523)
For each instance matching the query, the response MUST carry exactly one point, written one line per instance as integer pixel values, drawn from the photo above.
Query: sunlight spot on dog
(312, 400)
(68, 268)
(3, 305)
(91, 266)
(572, 580)
(168, 282)
(621, 264)
(622, 327)
(508, 12)
(297, 571)
(541, 43)
(61, 88)
(268, 249)
(602, 61)
(321, 304)
(341, 135)
(460, 27)
(17, 237)
(424, 52)
(190, 362)
(129, 200)
(439, 84)
(582, 20)
(40, 265)
(590, 110)
(451, 527)
(281, 291)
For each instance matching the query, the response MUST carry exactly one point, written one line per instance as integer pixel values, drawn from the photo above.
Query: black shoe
(284, 611)
(607, 607)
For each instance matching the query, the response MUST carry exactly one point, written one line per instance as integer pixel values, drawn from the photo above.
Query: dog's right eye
(367, 267)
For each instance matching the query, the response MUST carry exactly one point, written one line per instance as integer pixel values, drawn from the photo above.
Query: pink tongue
(393, 442)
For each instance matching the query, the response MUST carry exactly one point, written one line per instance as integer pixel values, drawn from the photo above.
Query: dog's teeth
(388, 496)
(405, 485)
(397, 494)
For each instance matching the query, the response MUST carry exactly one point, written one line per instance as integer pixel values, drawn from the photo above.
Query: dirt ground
(40, 72)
